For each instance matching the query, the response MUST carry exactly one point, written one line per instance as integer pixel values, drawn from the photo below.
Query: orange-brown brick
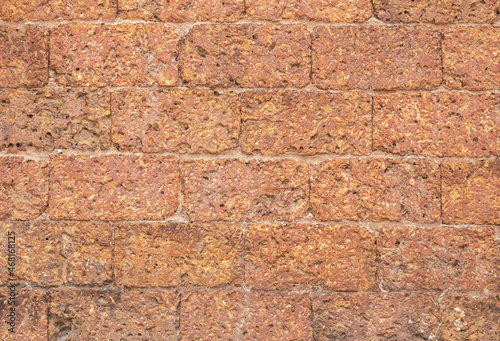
(376, 189)
(24, 56)
(417, 258)
(277, 122)
(84, 54)
(113, 187)
(36, 10)
(86, 314)
(314, 10)
(246, 55)
(178, 254)
(471, 192)
(376, 316)
(54, 118)
(376, 57)
(471, 58)
(182, 11)
(452, 124)
(23, 188)
(235, 190)
(471, 317)
(184, 121)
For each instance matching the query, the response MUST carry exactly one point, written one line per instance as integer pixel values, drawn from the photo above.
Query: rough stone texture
(376, 57)
(181, 10)
(178, 254)
(84, 54)
(436, 12)
(84, 314)
(376, 316)
(299, 256)
(234, 190)
(277, 122)
(376, 189)
(23, 188)
(31, 315)
(437, 124)
(113, 187)
(54, 118)
(46, 10)
(471, 58)
(183, 121)
(246, 55)
(417, 258)
(24, 56)
(471, 192)
(316, 10)
(471, 318)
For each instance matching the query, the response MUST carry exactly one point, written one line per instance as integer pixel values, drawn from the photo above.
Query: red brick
(183, 121)
(24, 56)
(376, 189)
(23, 188)
(235, 190)
(246, 55)
(278, 122)
(471, 192)
(440, 124)
(413, 258)
(376, 57)
(84, 54)
(471, 58)
(113, 187)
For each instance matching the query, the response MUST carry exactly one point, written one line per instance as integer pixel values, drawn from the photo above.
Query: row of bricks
(267, 122)
(147, 187)
(108, 314)
(252, 55)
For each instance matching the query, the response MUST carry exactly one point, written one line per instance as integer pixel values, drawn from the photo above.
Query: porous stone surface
(113, 187)
(376, 189)
(140, 54)
(246, 55)
(442, 124)
(182, 121)
(309, 123)
(376, 57)
(285, 257)
(235, 190)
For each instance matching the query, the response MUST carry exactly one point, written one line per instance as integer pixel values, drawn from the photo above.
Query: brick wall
(251, 170)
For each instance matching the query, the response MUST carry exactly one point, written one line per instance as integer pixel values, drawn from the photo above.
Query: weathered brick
(376, 57)
(23, 188)
(113, 187)
(36, 10)
(471, 318)
(54, 118)
(376, 189)
(85, 314)
(246, 55)
(471, 58)
(376, 316)
(291, 256)
(83, 54)
(184, 121)
(413, 258)
(277, 122)
(178, 254)
(315, 10)
(24, 56)
(471, 192)
(440, 124)
(235, 190)
(436, 12)
(182, 11)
